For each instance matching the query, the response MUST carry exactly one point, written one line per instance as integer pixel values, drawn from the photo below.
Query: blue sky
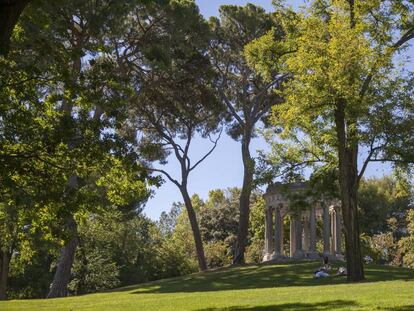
(210, 7)
(224, 166)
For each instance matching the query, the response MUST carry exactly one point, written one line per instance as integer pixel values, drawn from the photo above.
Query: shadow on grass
(326, 305)
(402, 308)
(264, 276)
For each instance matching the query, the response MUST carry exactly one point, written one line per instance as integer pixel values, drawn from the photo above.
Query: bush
(254, 252)
(368, 249)
(93, 273)
(217, 254)
(407, 243)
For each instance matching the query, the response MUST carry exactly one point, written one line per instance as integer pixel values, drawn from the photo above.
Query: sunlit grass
(266, 287)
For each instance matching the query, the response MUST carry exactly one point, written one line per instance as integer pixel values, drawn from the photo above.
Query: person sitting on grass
(326, 264)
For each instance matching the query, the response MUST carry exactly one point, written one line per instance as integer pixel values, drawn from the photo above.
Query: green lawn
(266, 287)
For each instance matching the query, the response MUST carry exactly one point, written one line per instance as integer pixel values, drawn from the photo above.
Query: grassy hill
(288, 287)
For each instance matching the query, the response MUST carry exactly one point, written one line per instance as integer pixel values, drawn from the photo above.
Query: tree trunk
(348, 179)
(59, 287)
(10, 11)
(4, 273)
(244, 207)
(196, 230)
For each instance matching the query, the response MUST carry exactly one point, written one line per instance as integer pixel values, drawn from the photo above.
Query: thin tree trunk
(348, 179)
(10, 11)
(244, 207)
(4, 273)
(195, 228)
(59, 287)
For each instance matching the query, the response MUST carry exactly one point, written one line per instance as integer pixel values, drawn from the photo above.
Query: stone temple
(303, 224)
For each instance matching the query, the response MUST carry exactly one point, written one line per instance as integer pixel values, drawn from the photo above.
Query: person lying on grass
(321, 273)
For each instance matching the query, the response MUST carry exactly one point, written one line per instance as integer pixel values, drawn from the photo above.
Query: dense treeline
(96, 97)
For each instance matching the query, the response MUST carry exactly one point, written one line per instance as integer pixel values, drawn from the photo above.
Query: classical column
(282, 246)
(312, 228)
(268, 234)
(292, 238)
(306, 233)
(333, 231)
(338, 226)
(299, 231)
(326, 229)
(278, 232)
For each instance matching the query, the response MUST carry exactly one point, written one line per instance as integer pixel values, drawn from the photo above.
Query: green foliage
(219, 218)
(382, 198)
(337, 61)
(182, 236)
(245, 93)
(348, 101)
(254, 252)
(168, 221)
(119, 248)
(369, 249)
(123, 185)
(217, 254)
(30, 277)
(101, 273)
(407, 243)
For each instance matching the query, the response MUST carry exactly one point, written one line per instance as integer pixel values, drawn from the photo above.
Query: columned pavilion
(303, 233)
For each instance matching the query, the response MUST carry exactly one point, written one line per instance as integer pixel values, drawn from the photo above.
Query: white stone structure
(303, 235)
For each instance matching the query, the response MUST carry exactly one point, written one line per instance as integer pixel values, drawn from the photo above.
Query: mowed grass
(265, 287)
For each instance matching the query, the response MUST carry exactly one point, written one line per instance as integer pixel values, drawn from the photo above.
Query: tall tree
(171, 97)
(83, 94)
(348, 96)
(246, 94)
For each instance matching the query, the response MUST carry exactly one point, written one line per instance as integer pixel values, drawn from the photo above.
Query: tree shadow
(320, 306)
(263, 276)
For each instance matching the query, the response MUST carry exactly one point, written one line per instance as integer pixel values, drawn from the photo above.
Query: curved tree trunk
(195, 228)
(59, 287)
(348, 179)
(248, 164)
(4, 273)
(10, 11)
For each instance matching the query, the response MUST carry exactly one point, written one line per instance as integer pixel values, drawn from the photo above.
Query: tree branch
(174, 181)
(230, 106)
(392, 160)
(367, 160)
(296, 165)
(208, 153)
(404, 39)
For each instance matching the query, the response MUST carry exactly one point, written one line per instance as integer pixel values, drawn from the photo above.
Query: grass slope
(287, 287)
